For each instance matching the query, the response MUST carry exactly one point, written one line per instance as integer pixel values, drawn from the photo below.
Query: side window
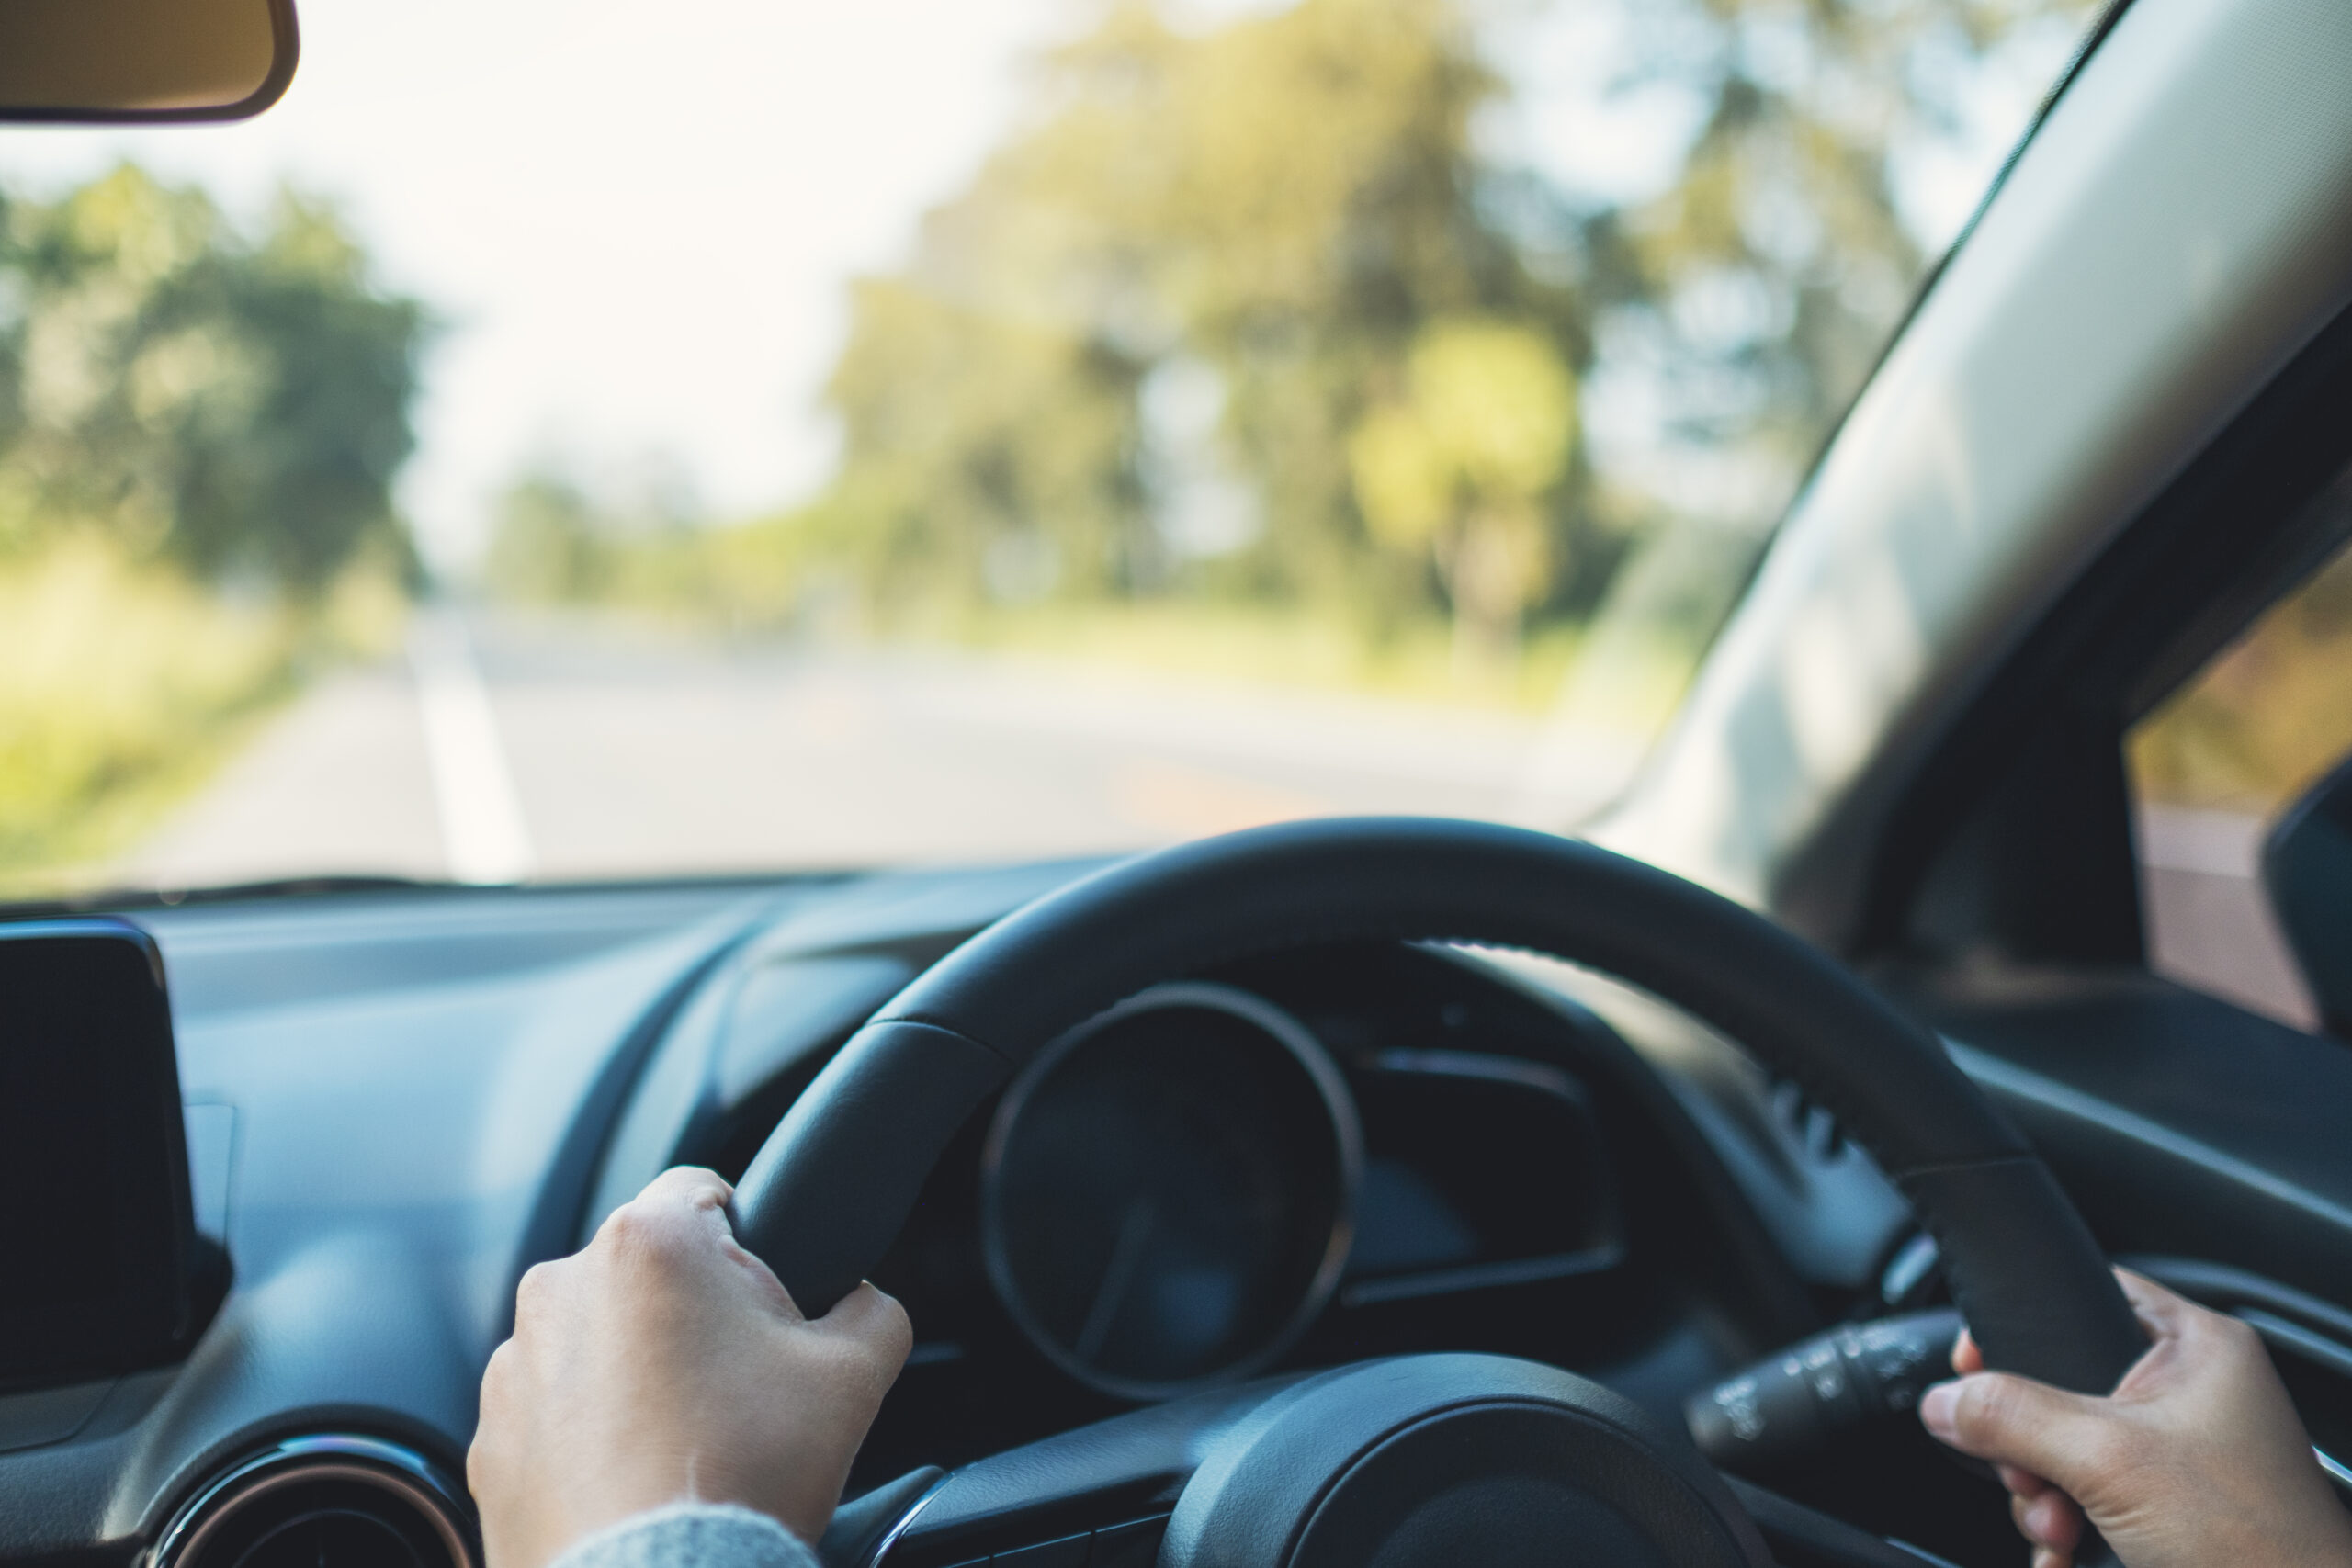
(2214, 767)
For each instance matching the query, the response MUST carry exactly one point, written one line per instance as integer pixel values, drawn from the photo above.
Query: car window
(2212, 769)
(559, 441)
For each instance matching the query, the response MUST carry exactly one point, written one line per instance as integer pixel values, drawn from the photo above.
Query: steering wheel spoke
(1099, 1496)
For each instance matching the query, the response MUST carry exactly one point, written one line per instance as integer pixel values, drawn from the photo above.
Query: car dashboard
(398, 1100)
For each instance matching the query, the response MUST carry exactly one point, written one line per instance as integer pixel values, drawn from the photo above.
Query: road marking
(483, 835)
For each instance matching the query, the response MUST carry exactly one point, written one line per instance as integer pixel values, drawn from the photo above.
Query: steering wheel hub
(1428, 1460)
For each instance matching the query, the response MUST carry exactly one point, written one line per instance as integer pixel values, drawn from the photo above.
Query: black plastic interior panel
(424, 1096)
(397, 1102)
(276, 953)
(2115, 1076)
(99, 1264)
(387, 1154)
(2005, 768)
(2307, 871)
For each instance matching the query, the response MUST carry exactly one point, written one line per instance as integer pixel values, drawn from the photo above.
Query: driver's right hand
(2198, 1458)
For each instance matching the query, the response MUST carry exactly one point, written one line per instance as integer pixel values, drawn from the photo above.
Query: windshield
(569, 440)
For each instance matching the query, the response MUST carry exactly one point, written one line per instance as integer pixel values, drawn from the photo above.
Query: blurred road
(507, 748)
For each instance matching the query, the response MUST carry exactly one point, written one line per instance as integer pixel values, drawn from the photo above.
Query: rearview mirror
(143, 61)
(2307, 870)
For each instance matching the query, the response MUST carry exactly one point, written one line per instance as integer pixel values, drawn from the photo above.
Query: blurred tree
(547, 543)
(199, 433)
(1743, 308)
(1460, 465)
(2266, 717)
(1284, 203)
(984, 444)
(239, 408)
(1754, 296)
(1263, 309)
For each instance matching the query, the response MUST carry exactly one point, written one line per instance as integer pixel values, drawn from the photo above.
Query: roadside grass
(124, 687)
(1294, 646)
(1281, 647)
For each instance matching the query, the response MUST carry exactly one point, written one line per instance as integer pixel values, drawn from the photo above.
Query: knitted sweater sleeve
(691, 1535)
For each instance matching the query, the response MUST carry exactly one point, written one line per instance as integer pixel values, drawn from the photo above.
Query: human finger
(2014, 1420)
(681, 1203)
(762, 1278)
(2050, 1519)
(1965, 1357)
(694, 1195)
(2163, 1313)
(543, 1291)
(665, 1249)
(688, 1186)
(873, 1321)
(2021, 1483)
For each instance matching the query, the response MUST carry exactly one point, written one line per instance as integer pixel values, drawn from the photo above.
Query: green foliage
(240, 408)
(2267, 716)
(1777, 266)
(1289, 203)
(125, 684)
(548, 543)
(556, 540)
(198, 434)
(1255, 315)
(1750, 302)
(115, 679)
(976, 432)
(1460, 464)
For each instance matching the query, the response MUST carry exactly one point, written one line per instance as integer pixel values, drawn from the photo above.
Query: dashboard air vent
(325, 1502)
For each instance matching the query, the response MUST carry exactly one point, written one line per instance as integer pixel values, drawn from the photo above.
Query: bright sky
(637, 221)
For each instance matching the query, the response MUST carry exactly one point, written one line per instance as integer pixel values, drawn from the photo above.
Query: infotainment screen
(96, 1241)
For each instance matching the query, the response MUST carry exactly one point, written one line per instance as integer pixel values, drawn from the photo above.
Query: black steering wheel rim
(833, 1184)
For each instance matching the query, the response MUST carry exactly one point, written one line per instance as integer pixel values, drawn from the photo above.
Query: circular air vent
(326, 1502)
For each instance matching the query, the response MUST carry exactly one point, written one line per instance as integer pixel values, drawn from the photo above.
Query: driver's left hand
(664, 1364)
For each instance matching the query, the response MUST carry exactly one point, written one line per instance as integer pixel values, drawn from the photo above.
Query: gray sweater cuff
(691, 1535)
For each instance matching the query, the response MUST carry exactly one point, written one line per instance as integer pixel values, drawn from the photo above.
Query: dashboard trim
(1484, 1276)
(1540, 1078)
(903, 1523)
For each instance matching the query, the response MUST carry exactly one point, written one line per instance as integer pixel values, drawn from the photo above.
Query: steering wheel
(1424, 1460)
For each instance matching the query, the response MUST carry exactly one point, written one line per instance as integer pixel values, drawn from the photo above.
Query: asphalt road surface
(504, 749)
